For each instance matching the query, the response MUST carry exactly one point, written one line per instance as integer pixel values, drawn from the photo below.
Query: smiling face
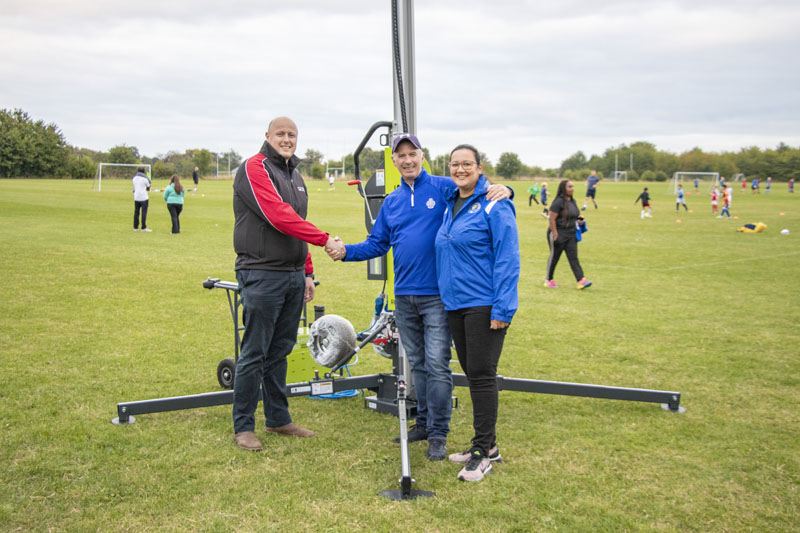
(408, 160)
(465, 170)
(570, 189)
(282, 135)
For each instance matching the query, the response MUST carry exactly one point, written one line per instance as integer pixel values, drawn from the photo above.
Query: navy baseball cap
(405, 137)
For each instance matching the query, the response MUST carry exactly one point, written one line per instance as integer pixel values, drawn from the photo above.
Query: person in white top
(141, 200)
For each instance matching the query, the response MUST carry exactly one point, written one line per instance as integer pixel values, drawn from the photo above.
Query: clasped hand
(335, 248)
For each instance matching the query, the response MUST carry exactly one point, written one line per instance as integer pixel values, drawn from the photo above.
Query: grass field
(93, 314)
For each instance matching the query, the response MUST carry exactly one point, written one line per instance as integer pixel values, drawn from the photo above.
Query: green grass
(93, 314)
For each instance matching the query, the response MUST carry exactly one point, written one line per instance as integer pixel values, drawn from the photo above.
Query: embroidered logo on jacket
(430, 204)
(301, 188)
(474, 207)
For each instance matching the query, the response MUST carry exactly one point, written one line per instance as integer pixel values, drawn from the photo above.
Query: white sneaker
(477, 468)
(148, 230)
(135, 229)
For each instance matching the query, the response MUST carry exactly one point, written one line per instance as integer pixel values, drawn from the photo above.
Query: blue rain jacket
(477, 255)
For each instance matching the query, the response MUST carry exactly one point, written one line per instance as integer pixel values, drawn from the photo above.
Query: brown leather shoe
(292, 430)
(247, 440)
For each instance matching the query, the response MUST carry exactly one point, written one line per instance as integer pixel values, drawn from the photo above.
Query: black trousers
(478, 348)
(532, 197)
(568, 244)
(140, 206)
(175, 212)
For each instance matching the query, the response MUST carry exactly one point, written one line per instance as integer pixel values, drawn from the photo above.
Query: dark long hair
(177, 181)
(468, 147)
(562, 192)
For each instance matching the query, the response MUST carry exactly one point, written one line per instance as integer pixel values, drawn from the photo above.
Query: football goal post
(687, 178)
(619, 175)
(117, 171)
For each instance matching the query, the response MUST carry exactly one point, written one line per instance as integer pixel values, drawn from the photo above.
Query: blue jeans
(272, 302)
(422, 323)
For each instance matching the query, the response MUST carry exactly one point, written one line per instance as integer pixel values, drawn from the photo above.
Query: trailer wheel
(226, 369)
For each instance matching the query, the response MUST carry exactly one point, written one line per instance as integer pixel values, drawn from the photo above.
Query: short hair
(467, 147)
(140, 169)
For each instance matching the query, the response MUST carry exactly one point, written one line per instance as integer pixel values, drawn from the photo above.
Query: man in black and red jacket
(275, 275)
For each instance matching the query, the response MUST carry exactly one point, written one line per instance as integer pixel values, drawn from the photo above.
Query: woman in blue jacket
(477, 264)
(173, 195)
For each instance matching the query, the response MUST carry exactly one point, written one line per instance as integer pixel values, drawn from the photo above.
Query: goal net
(107, 171)
(619, 175)
(686, 179)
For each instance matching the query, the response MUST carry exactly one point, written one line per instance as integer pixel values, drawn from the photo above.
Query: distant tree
(509, 165)
(202, 159)
(317, 171)
(695, 160)
(229, 160)
(368, 161)
(31, 149)
(123, 154)
(312, 157)
(574, 162)
(162, 169)
(81, 167)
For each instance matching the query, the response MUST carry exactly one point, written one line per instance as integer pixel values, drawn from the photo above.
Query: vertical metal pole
(405, 26)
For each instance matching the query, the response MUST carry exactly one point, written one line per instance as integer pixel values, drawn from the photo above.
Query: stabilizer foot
(679, 409)
(116, 421)
(400, 495)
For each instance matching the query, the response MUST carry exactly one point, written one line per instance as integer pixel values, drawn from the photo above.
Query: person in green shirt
(533, 190)
(173, 195)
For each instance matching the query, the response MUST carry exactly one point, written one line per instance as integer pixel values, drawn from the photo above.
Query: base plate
(397, 494)
(665, 406)
(116, 421)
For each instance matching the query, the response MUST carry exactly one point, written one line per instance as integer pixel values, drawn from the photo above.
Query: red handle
(354, 182)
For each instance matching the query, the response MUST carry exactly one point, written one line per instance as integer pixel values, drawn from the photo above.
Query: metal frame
(392, 389)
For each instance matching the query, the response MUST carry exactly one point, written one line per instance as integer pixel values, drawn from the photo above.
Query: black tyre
(226, 369)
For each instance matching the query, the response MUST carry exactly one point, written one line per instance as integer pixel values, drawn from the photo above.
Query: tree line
(36, 149)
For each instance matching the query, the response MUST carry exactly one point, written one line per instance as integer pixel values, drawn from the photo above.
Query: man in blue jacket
(407, 222)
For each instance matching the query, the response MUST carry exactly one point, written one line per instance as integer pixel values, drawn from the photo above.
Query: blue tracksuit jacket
(407, 222)
(477, 255)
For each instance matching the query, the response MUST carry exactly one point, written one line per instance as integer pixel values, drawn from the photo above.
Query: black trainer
(415, 433)
(437, 449)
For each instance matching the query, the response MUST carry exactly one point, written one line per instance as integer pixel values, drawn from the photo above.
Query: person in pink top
(714, 199)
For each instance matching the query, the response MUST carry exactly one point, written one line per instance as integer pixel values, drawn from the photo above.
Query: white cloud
(542, 80)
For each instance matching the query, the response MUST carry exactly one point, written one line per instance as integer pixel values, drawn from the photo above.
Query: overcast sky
(542, 79)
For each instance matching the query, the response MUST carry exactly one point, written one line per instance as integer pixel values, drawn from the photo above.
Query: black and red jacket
(270, 203)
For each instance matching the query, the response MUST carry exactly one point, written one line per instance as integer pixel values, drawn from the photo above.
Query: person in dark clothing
(645, 198)
(564, 217)
(275, 276)
(196, 177)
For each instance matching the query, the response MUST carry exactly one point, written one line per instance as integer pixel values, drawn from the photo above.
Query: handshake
(335, 248)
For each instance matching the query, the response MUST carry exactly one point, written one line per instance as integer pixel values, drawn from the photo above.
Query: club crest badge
(430, 204)
(474, 207)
